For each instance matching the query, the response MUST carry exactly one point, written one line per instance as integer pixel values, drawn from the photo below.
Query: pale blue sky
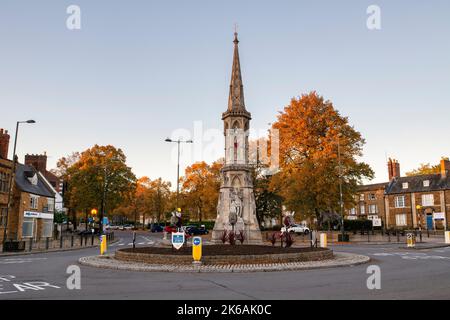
(138, 70)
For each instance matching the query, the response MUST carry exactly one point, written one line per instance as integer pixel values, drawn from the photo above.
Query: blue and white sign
(177, 239)
(196, 241)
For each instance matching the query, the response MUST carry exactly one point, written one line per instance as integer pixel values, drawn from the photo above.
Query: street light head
(168, 140)
(190, 141)
(31, 121)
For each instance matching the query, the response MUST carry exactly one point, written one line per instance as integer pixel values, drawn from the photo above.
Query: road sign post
(177, 240)
(197, 250)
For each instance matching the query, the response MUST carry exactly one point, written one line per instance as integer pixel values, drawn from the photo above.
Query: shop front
(37, 225)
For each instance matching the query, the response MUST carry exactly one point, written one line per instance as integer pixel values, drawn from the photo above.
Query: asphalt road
(423, 274)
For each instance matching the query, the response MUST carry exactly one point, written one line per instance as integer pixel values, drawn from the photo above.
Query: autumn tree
(310, 132)
(425, 169)
(200, 189)
(100, 179)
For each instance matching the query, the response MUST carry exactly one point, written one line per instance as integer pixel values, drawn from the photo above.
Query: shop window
(27, 227)
(47, 228)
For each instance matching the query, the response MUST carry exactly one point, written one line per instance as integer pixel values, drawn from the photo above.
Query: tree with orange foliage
(310, 129)
(99, 178)
(200, 189)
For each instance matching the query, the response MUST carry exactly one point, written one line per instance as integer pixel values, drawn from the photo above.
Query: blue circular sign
(197, 241)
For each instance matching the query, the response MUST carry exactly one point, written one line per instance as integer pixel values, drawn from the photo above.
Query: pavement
(404, 274)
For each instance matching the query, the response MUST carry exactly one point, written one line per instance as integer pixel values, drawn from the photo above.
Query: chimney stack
(38, 161)
(393, 169)
(445, 167)
(4, 143)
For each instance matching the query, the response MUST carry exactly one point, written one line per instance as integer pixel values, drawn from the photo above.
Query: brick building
(39, 162)
(5, 174)
(421, 201)
(32, 200)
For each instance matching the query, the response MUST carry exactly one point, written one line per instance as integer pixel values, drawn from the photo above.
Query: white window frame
(373, 209)
(362, 209)
(401, 220)
(34, 202)
(426, 183)
(50, 204)
(352, 212)
(372, 196)
(361, 197)
(26, 221)
(398, 203)
(428, 200)
(45, 223)
(405, 185)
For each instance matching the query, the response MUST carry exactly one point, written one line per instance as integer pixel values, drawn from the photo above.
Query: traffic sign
(177, 239)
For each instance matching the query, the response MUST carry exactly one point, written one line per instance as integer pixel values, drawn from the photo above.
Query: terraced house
(415, 202)
(421, 202)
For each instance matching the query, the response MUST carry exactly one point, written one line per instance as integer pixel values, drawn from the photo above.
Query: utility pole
(341, 200)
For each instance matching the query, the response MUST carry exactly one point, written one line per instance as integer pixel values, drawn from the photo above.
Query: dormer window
(405, 185)
(426, 183)
(33, 179)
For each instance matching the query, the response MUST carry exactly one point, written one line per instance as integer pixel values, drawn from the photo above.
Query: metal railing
(62, 242)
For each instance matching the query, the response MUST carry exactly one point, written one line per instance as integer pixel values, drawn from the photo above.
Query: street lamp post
(178, 163)
(341, 200)
(10, 186)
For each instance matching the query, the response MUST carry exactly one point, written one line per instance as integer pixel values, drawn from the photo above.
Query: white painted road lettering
(74, 280)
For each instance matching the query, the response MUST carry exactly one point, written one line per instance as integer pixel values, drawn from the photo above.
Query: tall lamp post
(13, 173)
(341, 196)
(178, 163)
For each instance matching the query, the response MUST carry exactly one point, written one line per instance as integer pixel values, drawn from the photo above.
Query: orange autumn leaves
(310, 129)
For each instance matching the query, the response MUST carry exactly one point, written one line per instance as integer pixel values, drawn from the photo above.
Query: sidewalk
(38, 251)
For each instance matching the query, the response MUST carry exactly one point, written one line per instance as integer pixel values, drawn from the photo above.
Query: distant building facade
(416, 202)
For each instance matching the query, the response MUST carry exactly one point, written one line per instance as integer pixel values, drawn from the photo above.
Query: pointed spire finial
(236, 41)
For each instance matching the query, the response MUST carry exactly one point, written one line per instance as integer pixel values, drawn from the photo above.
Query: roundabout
(223, 258)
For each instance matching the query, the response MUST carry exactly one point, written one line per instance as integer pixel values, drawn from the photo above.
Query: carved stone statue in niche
(236, 199)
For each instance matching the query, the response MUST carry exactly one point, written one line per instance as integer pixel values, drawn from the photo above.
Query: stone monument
(236, 209)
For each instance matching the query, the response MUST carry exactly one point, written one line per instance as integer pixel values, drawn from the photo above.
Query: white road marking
(141, 243)
(20, 260)
(121, 244)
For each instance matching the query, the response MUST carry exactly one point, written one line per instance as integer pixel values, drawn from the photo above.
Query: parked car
(195, 231)
(156, 228)
(128, 227)
(297, 228)
(94, 231)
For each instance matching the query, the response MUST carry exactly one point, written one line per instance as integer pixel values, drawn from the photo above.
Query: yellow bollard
(197, 249)
(447, 237)
(103, 246)
(323, 240)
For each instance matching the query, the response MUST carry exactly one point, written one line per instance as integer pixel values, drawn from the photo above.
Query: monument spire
(236, 97)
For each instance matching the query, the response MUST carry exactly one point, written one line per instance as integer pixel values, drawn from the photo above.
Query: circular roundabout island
(224, 258)
(224, 255)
